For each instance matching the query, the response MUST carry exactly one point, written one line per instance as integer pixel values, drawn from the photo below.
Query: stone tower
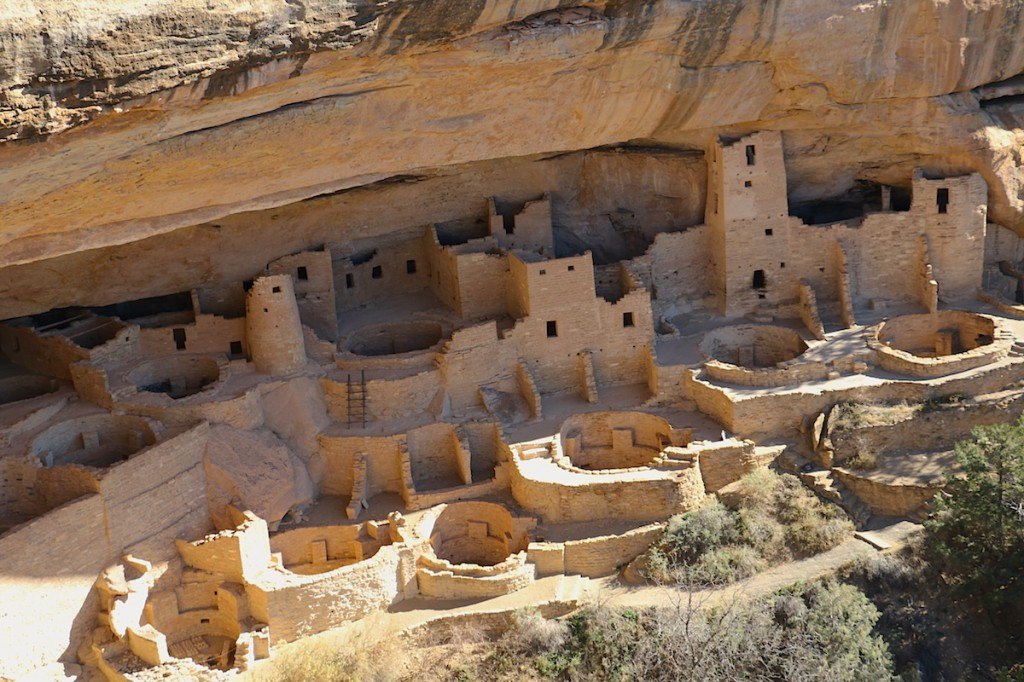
(273, 326)
(748, 213)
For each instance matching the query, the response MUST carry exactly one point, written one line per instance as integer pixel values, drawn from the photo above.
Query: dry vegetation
(823, 630)
(859, 415)
(770, 519)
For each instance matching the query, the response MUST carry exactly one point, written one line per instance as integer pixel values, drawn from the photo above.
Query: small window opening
(750, 155)
(543, 272)
(782, 265)
(303, 273)
(552, 328)
(759, 281)
(277, 290)
(508, 221)
(350, 281)
(571, 268)
(942, 199)
(768, 232)
(204, 620)
(236, 349)
(179, 338)
(821, 268)
(748, 183)
(627, 319)
(410, 267)
(377, 272)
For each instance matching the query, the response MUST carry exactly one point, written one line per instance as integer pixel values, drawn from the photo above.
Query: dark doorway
(759, 282)
(179, 338)
(942, 199)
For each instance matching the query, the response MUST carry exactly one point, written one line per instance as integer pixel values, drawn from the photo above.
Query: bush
(775, 519)
(817, 631)
(313, 661)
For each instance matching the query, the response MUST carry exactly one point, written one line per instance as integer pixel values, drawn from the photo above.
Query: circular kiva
(178, 376)
(395, 338)
(752, 345)
(613, 440)
(96, 441)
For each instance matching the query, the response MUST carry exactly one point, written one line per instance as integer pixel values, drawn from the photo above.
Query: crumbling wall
(313, 277)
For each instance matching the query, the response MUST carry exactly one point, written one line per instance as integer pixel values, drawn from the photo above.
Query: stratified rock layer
(125, 121)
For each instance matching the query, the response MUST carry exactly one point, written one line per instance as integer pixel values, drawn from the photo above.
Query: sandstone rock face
(255, 471)
(123, 121)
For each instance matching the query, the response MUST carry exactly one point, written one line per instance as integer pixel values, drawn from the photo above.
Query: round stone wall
(613, 440)
(395, 338)
(752, 346)
(178, 376)
(97, 441)
(939, 344)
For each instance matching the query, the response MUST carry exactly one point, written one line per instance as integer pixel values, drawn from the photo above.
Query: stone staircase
(826, 486)
(572, 589)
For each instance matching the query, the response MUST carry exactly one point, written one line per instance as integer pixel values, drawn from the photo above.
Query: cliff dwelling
(303, 340)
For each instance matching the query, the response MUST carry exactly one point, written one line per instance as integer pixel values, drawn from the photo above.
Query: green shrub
(775, 519)
(819, 631)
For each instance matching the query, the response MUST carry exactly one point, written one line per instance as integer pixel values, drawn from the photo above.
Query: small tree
(977, 536)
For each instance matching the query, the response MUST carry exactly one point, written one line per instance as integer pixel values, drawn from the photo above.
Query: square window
(377, 272)
(782, 265)
(543, 272)
(410, 267)
(552, 328)
(350, 281)
(571, 268)
(236, 349)
(748, 183)
(277, 290)
(627, 319)
(303, 273)
(768, 232)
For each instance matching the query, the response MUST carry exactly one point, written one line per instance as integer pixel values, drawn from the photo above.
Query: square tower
(748, 215)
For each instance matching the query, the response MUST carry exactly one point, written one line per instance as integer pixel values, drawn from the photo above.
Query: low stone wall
(784, 374)
(933, 428)
(386, 398)
(783, 413)
(723, 462)
(752, 345)
(299, 605)
(559, 496)
(600, 556)
(894, 340)
(887, 499)
(442, 580)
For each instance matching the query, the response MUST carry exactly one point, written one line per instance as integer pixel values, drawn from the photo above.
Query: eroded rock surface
(128, 121)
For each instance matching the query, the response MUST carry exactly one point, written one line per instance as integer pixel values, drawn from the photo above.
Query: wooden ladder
(357, 400)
